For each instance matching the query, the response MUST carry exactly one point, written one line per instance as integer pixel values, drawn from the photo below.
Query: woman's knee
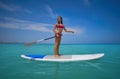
(56, 46)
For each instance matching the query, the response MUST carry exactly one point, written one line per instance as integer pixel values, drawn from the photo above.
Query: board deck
(63, 58)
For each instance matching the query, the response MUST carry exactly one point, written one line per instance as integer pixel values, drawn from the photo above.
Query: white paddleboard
(63, 58)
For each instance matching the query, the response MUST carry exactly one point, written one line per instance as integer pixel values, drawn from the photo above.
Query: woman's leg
(57, 44)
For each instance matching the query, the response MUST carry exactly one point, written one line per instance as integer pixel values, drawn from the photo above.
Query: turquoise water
(12, 66)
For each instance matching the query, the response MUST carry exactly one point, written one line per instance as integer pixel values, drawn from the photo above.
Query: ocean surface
(12, 66)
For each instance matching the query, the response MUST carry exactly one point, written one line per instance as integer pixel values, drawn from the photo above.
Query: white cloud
(76, 30)
(28, 25)
(10, 19)
(25, 25)
(27, 11)
(6, 7)
(50, 11)
(13, 8)
(37, 28)
(9, 25)
(87, 2)
(55, 15)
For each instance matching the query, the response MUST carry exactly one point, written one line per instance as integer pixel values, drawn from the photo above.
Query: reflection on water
(13, 66)
(56, 70)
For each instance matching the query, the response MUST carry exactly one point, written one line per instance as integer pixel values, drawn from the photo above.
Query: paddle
(31, 43)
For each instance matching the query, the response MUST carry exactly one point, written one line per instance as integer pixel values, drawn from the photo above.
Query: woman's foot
(57, 56)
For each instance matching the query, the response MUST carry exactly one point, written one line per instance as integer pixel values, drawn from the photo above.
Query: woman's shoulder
(56, 24)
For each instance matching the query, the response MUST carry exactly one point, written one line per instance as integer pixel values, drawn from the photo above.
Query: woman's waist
(58, 34)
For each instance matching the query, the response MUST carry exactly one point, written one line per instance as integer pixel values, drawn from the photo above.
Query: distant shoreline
(61, 43)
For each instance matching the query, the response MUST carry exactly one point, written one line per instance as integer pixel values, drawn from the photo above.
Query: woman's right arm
(54, 29)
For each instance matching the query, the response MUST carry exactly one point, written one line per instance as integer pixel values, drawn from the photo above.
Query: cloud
(50, 12)
(13, 8)
(10, 19)
(55, 15)
(26, 10)
(28, 25)
(6, 7)
(87, 2)
(37, 28)
(76, 30)
(25, 25)
(9, 25)
(14, 23)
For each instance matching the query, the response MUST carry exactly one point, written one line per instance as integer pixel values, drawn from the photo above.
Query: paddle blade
(29, 44)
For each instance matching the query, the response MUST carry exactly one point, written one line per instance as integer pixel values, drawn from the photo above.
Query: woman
(58, 28)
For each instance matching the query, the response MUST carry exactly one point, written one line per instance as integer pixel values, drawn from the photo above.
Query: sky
(93, 21)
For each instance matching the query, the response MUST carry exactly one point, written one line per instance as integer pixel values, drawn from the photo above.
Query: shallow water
(13, 66)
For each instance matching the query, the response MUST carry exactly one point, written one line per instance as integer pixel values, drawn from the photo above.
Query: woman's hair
(61, 20)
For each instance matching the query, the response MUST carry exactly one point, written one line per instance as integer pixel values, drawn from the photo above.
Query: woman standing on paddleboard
(58, 28)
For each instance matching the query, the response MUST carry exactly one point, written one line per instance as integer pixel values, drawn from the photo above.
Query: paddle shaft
(31, 43)
(49, 38)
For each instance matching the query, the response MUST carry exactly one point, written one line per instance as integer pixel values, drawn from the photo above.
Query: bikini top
(60, 26)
